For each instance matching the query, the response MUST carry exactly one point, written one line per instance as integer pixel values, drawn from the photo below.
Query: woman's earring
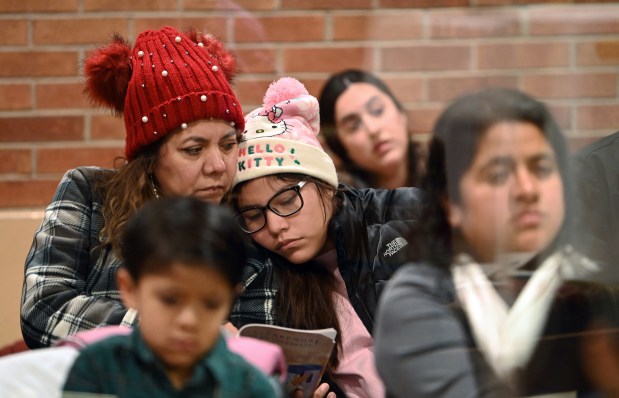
(155, 190)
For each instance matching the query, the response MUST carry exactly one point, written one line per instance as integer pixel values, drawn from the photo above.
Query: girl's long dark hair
(305, 298)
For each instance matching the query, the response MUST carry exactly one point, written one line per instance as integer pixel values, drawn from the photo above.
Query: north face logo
(394, 246)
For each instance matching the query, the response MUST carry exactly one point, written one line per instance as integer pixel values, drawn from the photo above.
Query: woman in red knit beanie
(182, 123)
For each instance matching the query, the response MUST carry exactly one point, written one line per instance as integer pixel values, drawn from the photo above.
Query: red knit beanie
(167, 81)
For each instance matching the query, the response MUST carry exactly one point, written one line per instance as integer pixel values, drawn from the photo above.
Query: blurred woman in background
(366, 127)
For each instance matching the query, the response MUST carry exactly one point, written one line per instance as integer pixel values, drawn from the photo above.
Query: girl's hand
(322, 390)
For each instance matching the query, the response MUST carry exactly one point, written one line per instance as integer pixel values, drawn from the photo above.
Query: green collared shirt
(124, 366)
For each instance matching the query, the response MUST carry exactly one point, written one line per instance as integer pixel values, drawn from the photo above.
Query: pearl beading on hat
(165, 73)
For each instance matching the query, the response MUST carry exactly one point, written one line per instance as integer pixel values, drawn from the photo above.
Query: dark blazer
(596, 171)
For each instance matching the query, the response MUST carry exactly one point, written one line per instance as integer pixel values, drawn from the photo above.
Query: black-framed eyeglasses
(285, 203)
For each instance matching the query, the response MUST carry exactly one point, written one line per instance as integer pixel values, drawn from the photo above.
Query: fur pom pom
(107, 72)
(226, 61)
(282, 90)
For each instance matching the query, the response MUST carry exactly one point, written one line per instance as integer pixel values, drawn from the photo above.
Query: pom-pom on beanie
(281, 136)
(168, 80)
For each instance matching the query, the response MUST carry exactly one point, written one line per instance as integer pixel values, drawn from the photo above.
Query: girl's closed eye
(250, 215)
(286, 198)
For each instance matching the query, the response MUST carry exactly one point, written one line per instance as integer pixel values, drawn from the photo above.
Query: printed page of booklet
(307, 353)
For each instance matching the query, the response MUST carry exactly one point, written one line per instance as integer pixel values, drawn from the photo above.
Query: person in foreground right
(498, 304)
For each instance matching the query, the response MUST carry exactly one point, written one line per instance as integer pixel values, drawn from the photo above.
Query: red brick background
(429, 51)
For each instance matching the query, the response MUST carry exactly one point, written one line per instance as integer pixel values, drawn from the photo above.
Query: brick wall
(429, 51)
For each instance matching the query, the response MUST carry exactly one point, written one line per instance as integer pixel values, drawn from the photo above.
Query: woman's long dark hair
(457, 134)
(125, 191)
(305, 298)
(332, 90)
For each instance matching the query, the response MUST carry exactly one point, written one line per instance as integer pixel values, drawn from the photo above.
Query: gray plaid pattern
(256, 303)
(69, 282)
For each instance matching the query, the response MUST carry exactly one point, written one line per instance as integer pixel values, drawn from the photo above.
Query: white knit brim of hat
(272, 155)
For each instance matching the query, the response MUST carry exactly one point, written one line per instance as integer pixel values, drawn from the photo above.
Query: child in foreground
(182, 266)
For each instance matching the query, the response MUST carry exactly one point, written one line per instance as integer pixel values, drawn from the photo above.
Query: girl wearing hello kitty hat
(323, 251)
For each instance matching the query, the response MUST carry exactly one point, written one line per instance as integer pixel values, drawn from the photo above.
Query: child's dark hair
(183, 230)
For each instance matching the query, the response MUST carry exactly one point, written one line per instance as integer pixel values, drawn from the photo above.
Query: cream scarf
(508, 336)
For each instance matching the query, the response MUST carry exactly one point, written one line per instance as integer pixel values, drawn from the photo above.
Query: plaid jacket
(70, 280)
(369, 231)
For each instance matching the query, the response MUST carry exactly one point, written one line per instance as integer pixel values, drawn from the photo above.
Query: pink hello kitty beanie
(281, 136)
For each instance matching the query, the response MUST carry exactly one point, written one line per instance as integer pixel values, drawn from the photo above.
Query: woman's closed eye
(376, 109)
(193, 150)
(228, 145)
(350, 124)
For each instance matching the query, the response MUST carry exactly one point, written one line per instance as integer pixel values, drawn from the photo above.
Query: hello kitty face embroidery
(265, 124)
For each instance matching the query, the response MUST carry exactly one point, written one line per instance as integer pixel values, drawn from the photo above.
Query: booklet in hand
(307, 353)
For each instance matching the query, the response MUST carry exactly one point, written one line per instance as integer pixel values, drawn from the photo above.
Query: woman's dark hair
(305, 295)
(335, 86)
(126, 190)
(183, 230)
(457, 134)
